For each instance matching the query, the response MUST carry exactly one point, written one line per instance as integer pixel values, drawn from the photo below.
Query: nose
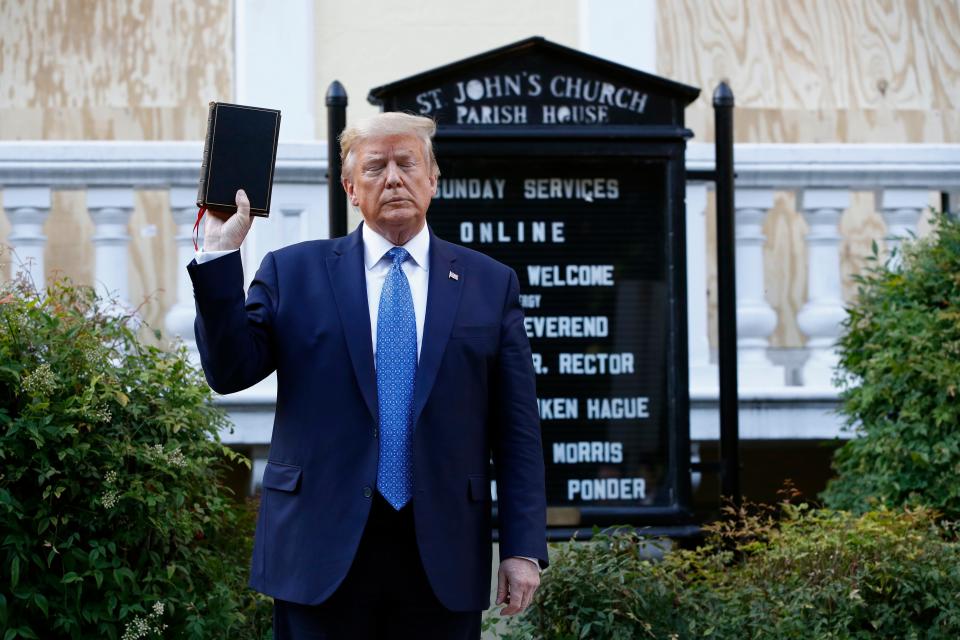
(393, 176)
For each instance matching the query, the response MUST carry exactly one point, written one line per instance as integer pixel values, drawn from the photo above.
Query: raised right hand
(224, 231)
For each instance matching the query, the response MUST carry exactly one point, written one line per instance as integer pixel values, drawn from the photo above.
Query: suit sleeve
(517, 449)
(235, 338)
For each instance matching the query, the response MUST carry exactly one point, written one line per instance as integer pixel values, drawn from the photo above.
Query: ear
(433, 184)
(351, 192)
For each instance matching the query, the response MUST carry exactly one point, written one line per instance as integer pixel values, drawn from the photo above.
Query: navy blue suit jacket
(306, 316)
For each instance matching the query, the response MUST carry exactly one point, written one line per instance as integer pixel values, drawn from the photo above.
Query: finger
(527, 597)
(243, 203)
(516, 598)
(523, 600)
(501, 587)
(514, 607)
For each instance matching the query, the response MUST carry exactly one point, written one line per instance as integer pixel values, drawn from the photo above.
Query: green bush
(114, 522)
(804, 574)
(900, 367)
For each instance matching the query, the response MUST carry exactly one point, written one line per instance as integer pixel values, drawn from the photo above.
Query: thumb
(501, 587)
(243, 202)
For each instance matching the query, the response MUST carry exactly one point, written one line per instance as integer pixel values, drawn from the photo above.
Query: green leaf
(41, 602)
(71, 576)
(15, 572)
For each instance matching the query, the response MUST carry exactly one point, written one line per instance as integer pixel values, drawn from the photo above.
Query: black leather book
(240, 152)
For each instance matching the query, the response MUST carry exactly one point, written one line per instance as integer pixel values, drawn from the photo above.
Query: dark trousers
(385, 593)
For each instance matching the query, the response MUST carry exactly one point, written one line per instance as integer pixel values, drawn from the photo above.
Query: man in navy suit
(402, 365)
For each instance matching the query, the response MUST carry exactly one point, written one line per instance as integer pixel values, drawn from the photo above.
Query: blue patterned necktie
(396, 370)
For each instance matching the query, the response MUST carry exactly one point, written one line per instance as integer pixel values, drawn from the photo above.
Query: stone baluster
(756, 319)
(823, 312)
(179, 320)
(901, 210)
(953, 203)
(110, 209)
(291, 224)
(27, 209)
(703, 374)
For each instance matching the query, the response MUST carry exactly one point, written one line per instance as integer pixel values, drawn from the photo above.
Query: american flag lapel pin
(453, 276)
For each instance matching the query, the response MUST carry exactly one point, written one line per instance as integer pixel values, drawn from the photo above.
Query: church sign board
(570, 169)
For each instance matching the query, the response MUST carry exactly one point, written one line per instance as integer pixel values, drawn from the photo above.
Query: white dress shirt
(416, 268)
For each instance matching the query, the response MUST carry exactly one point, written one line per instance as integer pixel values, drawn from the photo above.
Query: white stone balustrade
(110, 208)
(901, 210)
(27, 208)
(822, 175)
(756, 319)
(821, 316)
(704, 374)
(292, 223)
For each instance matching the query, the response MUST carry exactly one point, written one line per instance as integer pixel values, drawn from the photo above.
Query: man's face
(392, 183)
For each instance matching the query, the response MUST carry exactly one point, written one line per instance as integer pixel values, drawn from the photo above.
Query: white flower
(137, 628)
(111, 477)
(109, 498)
(39, 382)
(142, 627)
(174, 458)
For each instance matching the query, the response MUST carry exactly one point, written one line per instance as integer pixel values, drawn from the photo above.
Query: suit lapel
(346, 271)
(443, 298)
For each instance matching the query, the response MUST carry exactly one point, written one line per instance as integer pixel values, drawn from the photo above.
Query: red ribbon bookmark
(196, 228)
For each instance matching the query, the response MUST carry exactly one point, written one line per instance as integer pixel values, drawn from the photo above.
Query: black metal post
(727, 295)
(336, 122)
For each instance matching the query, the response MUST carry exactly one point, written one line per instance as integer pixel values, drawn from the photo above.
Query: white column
(110, 209)
(274, 55)
(703, 374)
(901, 210)
(305, 201)
(821, 316)
(756, 320)
(292, 228)
(179, 320)
(624, 31)
(27, 209)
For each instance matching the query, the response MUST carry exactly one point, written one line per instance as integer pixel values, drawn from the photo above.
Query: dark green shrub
(804, 574)
(114, 522)
(900, 366)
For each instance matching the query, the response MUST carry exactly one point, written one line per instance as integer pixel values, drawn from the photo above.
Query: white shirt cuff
(533, 560)
(207, 256)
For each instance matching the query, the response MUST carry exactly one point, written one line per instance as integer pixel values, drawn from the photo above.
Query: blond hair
(390, 123)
